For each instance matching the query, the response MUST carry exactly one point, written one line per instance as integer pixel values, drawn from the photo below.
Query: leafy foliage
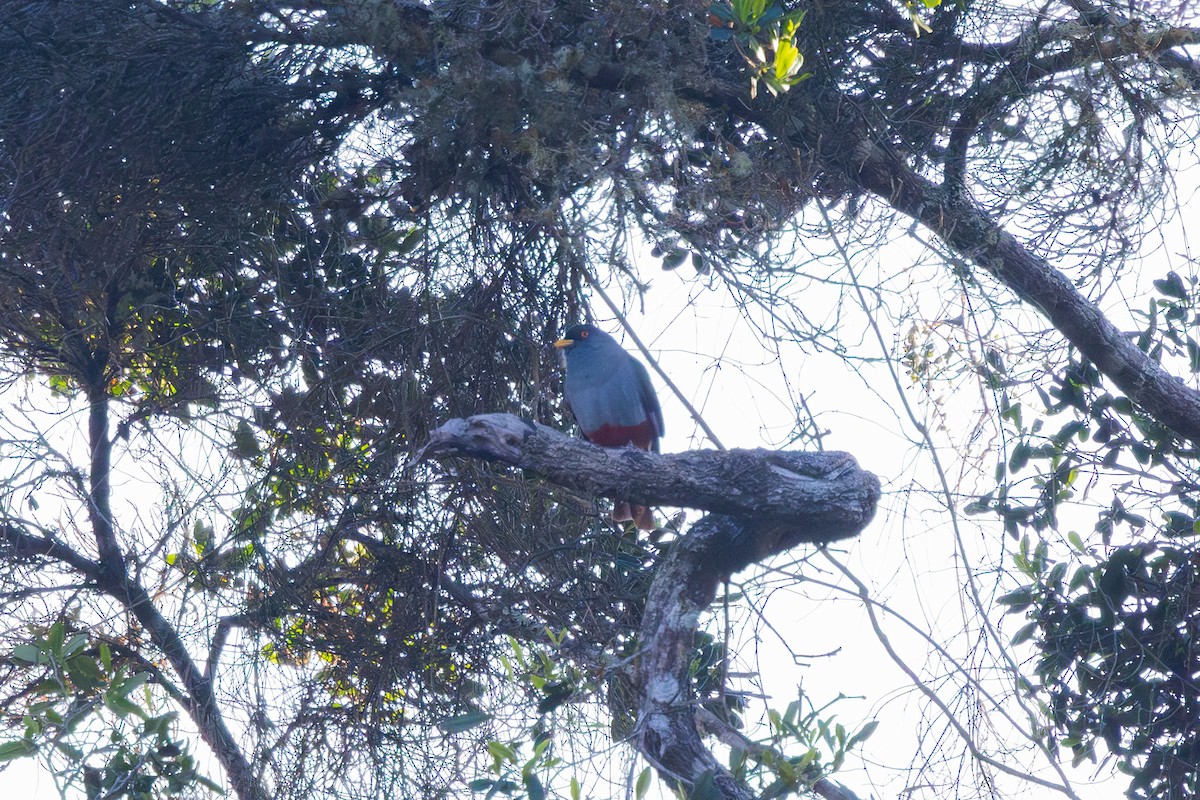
(823, 743)
(766, 37)
(86, 720)
(1115, 624)
(1118, 658)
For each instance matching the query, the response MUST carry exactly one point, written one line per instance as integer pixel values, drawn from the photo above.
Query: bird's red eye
(583, 334)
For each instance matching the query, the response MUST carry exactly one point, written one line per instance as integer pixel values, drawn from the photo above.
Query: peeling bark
(763, 502)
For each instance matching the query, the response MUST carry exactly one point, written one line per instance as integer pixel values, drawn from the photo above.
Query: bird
(614, 403)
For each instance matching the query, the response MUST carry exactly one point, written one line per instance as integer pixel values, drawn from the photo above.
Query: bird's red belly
(642, 435)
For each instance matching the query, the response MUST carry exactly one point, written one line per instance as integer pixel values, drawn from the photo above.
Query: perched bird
(610, 394)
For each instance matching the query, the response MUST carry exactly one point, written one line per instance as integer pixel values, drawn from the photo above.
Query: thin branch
(968, 230)
(220, 636)
(710, 724)
(113, 578)
(17, 546)
(948, 496)
(865, 596)
(200, 701)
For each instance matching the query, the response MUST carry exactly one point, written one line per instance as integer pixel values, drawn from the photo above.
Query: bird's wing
(647, 396)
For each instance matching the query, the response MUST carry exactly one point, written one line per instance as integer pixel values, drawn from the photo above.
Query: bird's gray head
(581, 340)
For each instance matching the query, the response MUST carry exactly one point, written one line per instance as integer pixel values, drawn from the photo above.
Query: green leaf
(788, 60)
(1025, 633)
(60, 384)
(576, 789)
(1019, 457)
(69, 750)
(721, 11)
(1179, 524)
(121, 706)
(673, 259)
(58, 634)
(1080, 578)
(502, 752)
(863, 734)
(74, 645)
(410, 241)
(705, 788)
(1172, 286)
(555, 695)
(245, 444)
(84, 673)
(464, 722)
(27, 653)
(127, 685)
(1019, 600)
(642, 785)
(19, 748)
(805, 760)
(534, 788)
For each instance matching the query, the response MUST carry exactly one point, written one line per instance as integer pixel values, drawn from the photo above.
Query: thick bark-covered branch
(845, 145)
(966, 228)
(685, 584)
(108, 552)
(200, 700)
(18, 546)
(764, 502)
(784, 497)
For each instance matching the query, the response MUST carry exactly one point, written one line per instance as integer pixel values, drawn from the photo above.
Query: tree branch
(113, 578)
(200, 701)
(765, 502)
(962, 224)
(959, 221)
(711, 725)
(108, 551)
(666, 734)
(18, 546)
(782, 497)
(1030, 64)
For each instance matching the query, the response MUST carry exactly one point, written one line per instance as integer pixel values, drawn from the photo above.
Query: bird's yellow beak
(561, 343)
